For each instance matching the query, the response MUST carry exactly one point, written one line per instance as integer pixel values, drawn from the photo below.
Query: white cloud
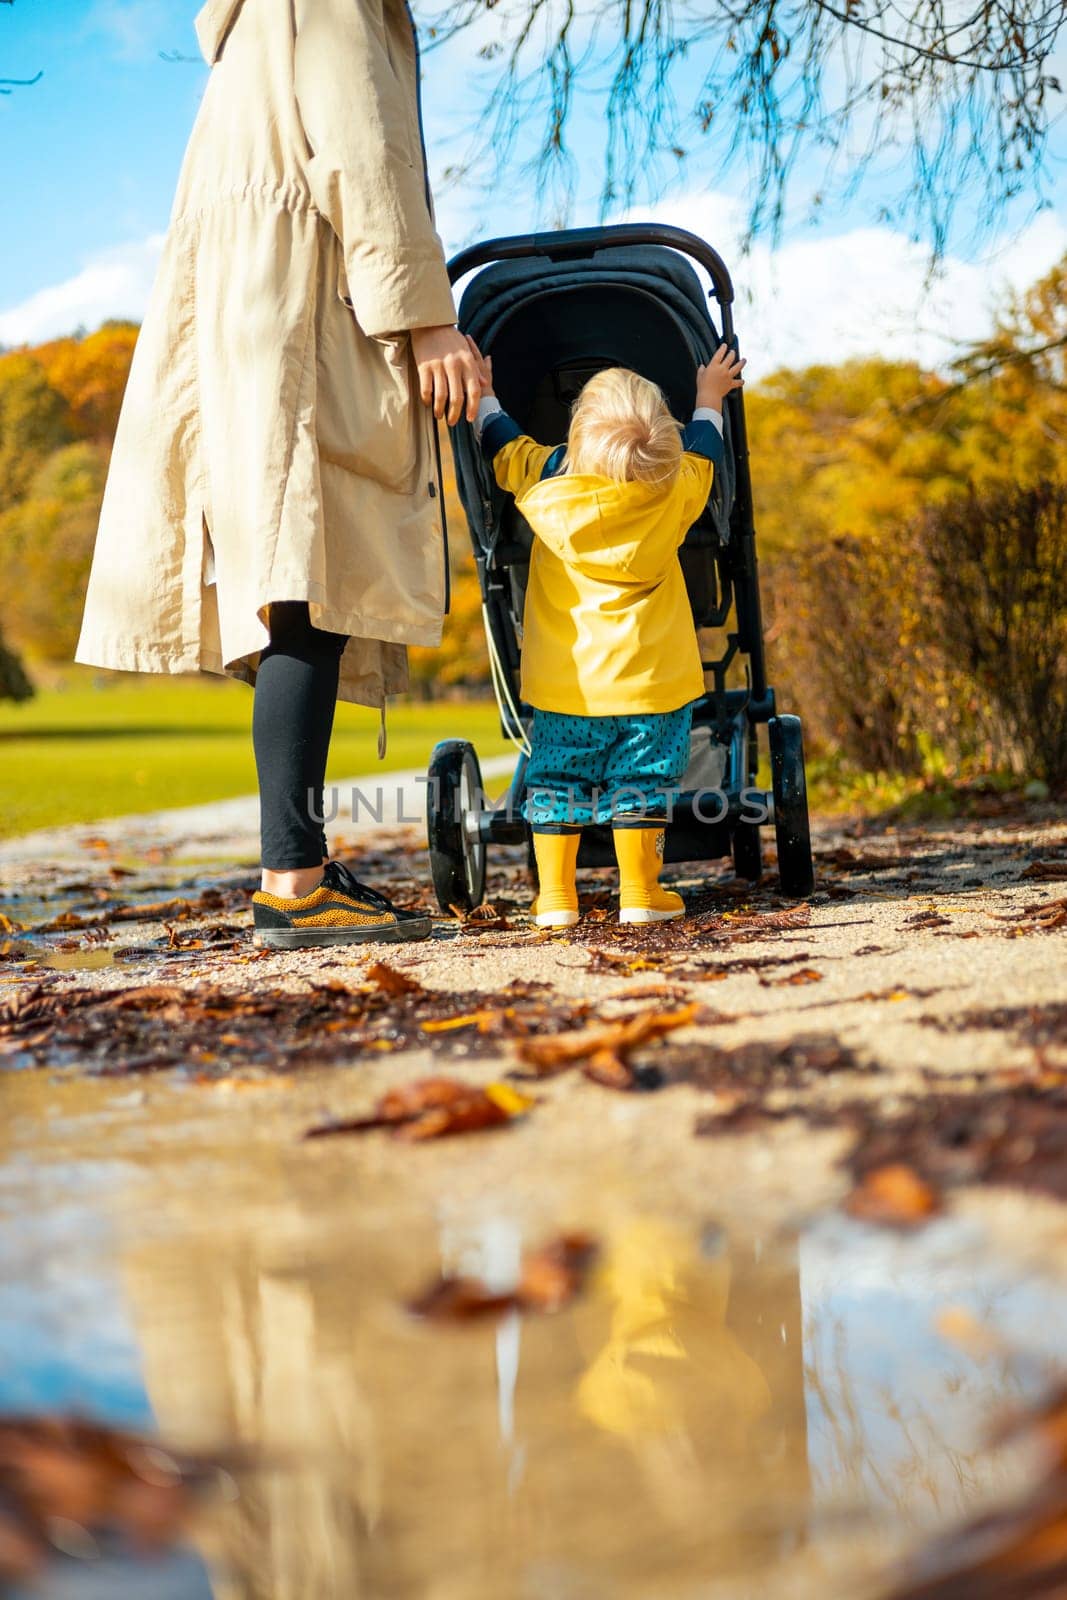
(135, 28)
(114, 284)
(826, 297)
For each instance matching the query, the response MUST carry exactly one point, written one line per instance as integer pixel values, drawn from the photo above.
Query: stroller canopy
(549, 325)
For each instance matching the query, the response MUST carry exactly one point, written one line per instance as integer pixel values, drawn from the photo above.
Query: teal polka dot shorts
(602, 769)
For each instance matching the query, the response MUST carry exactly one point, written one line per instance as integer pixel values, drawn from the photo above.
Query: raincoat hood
(213, 24)
(620, 532)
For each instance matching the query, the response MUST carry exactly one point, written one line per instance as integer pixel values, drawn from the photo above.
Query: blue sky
(93, 150)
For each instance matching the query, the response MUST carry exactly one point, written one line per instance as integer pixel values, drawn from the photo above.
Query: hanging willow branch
(937, 96)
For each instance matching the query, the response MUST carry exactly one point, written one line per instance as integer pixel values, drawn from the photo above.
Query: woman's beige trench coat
(272, 444)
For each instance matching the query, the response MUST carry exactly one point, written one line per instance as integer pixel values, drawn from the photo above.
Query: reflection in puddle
(88, 959)
(720, 1415)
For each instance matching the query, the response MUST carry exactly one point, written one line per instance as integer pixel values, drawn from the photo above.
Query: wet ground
(752, 1394)
(726, 1411)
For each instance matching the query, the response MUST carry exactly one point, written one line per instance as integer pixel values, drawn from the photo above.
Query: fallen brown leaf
(432, 1108)
(554, 1274)
(390, 981)
(802, 975)
(550, 1278)
(606, 1048)
(1045, 871)
(927, 919)
(55, 1470)
(894, 1196)
(486, 918)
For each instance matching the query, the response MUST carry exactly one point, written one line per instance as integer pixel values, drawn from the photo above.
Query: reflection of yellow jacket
(670, 1363)
(608, 629)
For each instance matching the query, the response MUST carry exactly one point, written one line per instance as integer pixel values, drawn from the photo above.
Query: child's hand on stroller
(448, 378)
(721, 375)
(484, 365)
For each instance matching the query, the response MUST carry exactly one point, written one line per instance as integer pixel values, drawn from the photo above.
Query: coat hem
(133, 658)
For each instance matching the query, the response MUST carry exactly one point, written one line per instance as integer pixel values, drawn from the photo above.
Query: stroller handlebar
(557, 246)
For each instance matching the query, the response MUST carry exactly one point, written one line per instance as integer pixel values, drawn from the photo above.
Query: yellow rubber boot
(639, 852)
(556, 905)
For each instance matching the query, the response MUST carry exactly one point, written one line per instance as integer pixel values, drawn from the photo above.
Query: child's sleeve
(518, 461)
(704, 450)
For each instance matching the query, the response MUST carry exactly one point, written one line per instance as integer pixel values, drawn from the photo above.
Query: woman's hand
(448, 374)
(484, 365)
(719, 377)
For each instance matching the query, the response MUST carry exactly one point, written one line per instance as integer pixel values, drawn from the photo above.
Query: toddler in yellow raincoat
(610, 661)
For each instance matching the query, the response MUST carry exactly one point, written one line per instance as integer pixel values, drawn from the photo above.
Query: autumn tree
(46, 543)
(90, 373)
(862, 447)
(34, 420)
(997, 566)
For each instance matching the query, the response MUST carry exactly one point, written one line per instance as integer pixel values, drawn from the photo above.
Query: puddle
(85, 900)
(97, 892)
(721, 1415)
(91, 959)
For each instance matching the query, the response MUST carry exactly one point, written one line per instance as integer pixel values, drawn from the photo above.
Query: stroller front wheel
(453, 808)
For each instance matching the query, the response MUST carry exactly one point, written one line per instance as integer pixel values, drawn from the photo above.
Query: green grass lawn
(80, 751)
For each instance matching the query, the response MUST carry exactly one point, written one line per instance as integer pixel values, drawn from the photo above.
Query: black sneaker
(339, 910)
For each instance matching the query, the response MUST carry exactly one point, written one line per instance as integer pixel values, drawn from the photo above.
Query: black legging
(292, 719)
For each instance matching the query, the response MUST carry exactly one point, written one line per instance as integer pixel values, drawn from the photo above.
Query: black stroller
(552, 309)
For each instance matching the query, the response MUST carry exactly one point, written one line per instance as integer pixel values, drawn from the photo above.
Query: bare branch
(937, 98)
(7, 84)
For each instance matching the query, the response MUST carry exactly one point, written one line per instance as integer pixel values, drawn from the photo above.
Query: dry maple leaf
(392, 982)
(487, 918)
(613, 1039)
(620, 962)
(432, 1108)
(802, 975)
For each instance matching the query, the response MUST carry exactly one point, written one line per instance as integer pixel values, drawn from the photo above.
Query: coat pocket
(368, 420)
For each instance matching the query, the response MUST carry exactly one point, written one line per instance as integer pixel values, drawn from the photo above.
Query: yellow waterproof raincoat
(607, 629)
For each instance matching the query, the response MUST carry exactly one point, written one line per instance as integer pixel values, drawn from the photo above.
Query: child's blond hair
(622, 428)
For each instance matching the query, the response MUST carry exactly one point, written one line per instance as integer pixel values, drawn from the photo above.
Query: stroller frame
(460, 824)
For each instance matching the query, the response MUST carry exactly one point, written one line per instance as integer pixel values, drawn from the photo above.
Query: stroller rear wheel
(796, 872)
(453, 807)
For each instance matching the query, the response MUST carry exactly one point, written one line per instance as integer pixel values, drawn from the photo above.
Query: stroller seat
(544, 352)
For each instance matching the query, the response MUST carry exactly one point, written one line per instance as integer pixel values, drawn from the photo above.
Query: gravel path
(928, 957)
